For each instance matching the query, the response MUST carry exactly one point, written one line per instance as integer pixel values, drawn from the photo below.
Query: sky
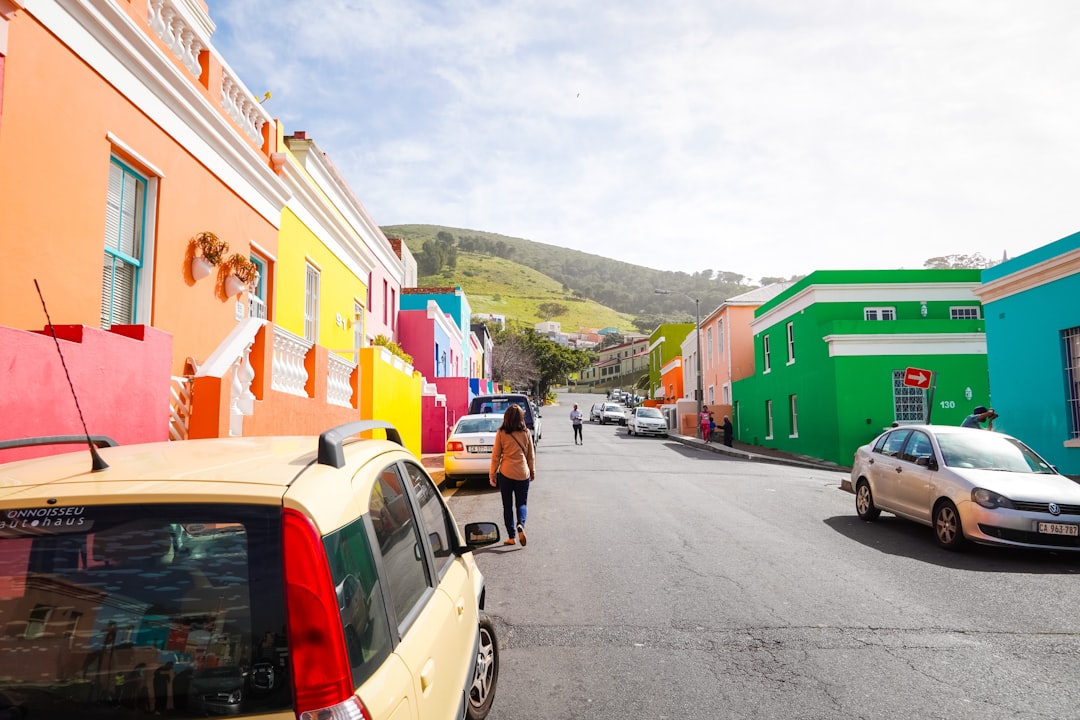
(759, 137)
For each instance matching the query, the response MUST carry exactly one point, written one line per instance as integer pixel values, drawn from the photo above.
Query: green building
(831, 351)
(665, 344)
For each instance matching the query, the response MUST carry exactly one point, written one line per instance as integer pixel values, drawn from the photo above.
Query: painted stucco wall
(1024, 325)
(391, 391)
(43, 147)
(128, 412)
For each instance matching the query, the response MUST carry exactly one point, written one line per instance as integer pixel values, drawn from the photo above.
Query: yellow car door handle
(427, 675)
(460, 607)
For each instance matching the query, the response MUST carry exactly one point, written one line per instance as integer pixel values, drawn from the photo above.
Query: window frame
(793, 415)
(312, 300)
(1070, 338)
(878, 313)
(791, 343)
(963, 312)
(766, 353)
(768, 420)
(142, 242)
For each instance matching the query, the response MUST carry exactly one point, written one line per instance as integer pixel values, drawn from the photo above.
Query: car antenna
(98, 464)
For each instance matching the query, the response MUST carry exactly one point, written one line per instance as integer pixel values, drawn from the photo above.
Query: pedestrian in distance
(712, 426)
(704, 421)
(512, 471)
(979, 415)
(575, 421)
(728, 431)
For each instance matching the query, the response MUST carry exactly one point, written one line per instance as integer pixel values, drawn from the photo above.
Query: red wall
(121, 378)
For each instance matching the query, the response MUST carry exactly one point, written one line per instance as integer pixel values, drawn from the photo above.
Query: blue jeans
(515, 493)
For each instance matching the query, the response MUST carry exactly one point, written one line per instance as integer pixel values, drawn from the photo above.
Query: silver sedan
(967, 484)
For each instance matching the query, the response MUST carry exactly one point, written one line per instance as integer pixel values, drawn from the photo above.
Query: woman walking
(512, 470)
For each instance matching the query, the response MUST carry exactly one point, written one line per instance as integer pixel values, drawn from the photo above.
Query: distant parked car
(612, 412)
(967, 484)
(647, 421)
(596, 412)
(498, 404)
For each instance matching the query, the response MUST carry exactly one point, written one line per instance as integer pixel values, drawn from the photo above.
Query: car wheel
(947, 528)
(449, 481)
(482, 690)
(864, 502)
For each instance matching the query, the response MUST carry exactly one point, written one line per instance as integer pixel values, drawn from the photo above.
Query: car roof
(948, 430)
(245, 469)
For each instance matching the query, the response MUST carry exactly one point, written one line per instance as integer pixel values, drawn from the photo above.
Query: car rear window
(478, 425)
(122, 611)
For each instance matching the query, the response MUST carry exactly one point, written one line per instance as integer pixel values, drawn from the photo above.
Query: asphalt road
(663, 581)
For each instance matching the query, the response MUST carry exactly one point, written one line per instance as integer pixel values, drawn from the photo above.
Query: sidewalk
(754, 453)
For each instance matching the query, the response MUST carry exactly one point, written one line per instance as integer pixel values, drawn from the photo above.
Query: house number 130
(947, 404)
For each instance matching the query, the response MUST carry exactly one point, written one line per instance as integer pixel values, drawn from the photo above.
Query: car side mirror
(481, 534)
(927, 461)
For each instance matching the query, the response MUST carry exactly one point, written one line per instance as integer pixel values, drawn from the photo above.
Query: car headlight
(990, 499)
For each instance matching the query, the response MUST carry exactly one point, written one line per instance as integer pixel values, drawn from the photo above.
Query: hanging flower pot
(200, 267)
(234, 286)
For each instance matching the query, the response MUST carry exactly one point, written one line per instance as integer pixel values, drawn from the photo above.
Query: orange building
(727, 347)
(124, 136)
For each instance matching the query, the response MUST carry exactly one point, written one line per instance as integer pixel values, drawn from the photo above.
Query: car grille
(1030, 538)
(1042, 507)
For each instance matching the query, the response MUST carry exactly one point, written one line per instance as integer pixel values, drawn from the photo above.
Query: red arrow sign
(917, 377)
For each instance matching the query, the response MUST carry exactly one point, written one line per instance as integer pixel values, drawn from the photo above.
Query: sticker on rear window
(44, 521)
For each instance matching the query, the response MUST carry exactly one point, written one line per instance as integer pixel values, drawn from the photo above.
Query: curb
(755, 457)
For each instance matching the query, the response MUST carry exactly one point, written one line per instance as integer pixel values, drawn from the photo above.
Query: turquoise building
(831, 351)
(1032, 307)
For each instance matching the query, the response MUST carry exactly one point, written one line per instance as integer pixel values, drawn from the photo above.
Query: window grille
(879, 313)
(909, 403)
(1071, 338)
(965, 312)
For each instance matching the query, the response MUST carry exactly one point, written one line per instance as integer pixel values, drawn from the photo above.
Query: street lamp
(697, 334)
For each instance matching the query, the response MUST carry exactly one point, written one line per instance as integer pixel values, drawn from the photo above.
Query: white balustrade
(241, 399)
(338, 386)
(179, 407)
(242, 107)
(288, 370)
(170, 26)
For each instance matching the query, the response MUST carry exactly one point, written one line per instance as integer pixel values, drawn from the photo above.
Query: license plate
(1058, 529)
(480, 448)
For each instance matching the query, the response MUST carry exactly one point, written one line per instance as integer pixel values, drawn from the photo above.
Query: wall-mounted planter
(200, 267)
(234, 286)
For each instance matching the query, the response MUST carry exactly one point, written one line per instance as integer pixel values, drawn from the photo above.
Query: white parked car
(647, 421)
(469, 447)
(967, 484)
(612, 413)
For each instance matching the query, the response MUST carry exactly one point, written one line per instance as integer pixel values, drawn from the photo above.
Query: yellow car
(277, 577)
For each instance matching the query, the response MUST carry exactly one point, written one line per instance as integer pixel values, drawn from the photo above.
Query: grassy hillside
(624, 287)
(503, 287)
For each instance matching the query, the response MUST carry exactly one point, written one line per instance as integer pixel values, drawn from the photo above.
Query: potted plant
(242, 273)
(209, 250)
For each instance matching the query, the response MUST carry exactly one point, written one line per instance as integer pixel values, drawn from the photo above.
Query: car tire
(864, 502)
(486, 677)
(450, 481)
(948, 531)
(629, 430)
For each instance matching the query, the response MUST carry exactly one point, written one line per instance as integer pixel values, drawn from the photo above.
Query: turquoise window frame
(112, 246)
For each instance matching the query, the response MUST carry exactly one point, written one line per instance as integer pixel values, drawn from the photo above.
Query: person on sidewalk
(512, 470)
(575, 420)
(981, 414)
(705, 423)
(712, 427)
(728, 431)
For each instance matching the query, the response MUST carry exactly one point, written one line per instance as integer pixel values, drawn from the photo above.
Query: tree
(645, 324)
(549, 310)
(972, 261)
(527, 359)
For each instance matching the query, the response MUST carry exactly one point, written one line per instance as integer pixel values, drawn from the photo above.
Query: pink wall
(416, 336)
(434, 426)
(121, 378)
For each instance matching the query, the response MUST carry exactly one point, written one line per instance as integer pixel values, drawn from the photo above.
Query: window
(918, 446)
(360, 598)
(257, 297)
(385, 302)
(1071, 338)
(393, 309)
(765, 352)
(398, 536)
(793, 416)
(712, 394)
(359, 324)
(892, 443)
(719, 337)
(965, 312)
(768, 419)
(311, 304)
(125, 231)
(708, 345)
(440, 532)
(879, 313)
(725, 394)
(38, 620)
(909, 403)
(790, 343)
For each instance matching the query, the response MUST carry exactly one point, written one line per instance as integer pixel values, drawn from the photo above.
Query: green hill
(467, 258)
(503, 287)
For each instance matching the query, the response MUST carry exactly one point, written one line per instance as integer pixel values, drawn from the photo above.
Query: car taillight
(321, 675)
(455, 446)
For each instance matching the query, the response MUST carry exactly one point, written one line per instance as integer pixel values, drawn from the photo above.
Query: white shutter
(124, 213)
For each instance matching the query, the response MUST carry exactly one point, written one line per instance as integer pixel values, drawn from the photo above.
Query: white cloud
(763, 138)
